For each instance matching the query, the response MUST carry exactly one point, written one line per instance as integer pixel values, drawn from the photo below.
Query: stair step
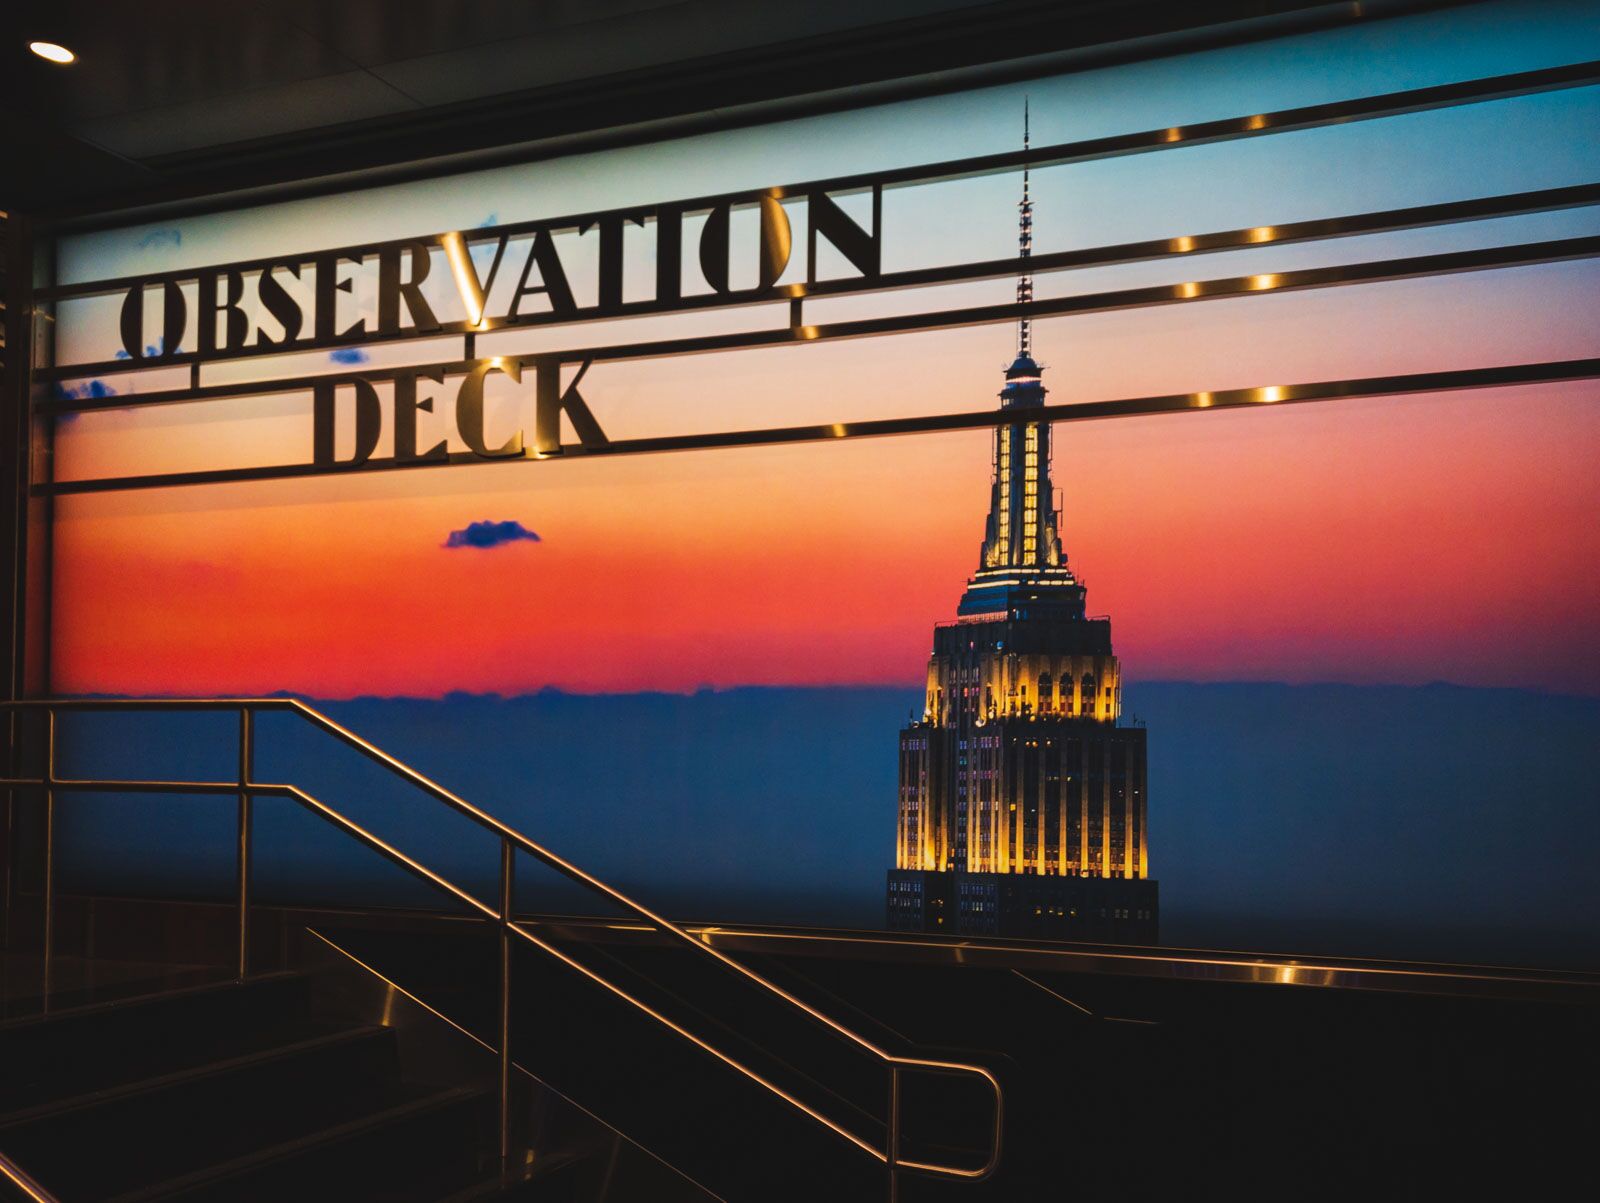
(413, 1152)
(609, 1171)
(79, 982)
(162, 1127)
(556, 1179)
(95, 1047)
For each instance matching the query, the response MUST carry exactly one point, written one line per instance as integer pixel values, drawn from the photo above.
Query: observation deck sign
(475, 283)
(308, 318)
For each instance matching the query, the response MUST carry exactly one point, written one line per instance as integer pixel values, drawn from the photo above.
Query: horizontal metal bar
(1383, 221)
(1180, 964)
(1043, 263)
(1377, 271)
(349, 827)
(1544, 372)
(1240, 966)
(1256, 284)
(113, 704)
(112, 786)
(1365, 108)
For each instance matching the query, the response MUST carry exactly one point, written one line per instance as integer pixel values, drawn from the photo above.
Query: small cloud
(488, 534)
(78, 392)
(163, 236)
(90, 388)
(151, 351)
(349, 355)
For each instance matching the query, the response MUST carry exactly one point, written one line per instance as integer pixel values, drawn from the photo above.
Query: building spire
(1022, 558)
(1024, 243)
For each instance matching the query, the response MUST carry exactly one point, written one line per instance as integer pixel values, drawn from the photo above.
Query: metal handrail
(13, 1173)
(246, 787)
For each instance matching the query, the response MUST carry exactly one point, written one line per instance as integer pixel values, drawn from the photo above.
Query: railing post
(246, 775)
(49, 856)
(507, 884)
(8, 846)
(892, 1150)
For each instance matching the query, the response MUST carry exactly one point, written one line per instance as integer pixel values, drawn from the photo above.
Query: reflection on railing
(245, 788)
(13, 1173)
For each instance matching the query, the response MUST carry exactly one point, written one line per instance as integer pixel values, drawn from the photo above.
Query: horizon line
(549, 691)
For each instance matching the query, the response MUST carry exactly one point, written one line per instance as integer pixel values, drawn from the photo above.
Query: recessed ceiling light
(53, 52)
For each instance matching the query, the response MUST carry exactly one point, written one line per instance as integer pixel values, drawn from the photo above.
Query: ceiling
(176, 98)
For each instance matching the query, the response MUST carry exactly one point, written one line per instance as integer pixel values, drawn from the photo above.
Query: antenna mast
(1024, 243)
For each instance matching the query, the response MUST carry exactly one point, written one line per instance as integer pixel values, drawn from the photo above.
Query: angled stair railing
(19, 1178)
(500, 915)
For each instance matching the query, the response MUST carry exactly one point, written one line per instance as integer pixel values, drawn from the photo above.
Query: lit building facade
(1023, 797)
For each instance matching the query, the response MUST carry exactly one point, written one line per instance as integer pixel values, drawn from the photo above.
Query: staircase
(313, 1074)
(726, 1132)
(231, 1091)
(247, 1092)
(491, 1053)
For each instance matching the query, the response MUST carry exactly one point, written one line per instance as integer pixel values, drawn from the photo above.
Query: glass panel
(1351, 703)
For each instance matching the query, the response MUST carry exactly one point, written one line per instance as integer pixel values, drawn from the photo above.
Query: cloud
(78, 392)
(488, 534)
(90, 388)
(349, 355)
(152, 350)
(162, 236)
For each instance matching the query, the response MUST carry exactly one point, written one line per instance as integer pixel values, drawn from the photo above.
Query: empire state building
(1022, 799)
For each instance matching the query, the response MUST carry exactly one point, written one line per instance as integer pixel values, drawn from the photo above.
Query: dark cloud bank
(1435, 822)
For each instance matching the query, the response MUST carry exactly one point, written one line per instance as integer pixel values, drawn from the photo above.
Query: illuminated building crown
(1022, 561)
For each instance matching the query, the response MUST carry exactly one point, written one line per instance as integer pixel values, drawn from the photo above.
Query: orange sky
(1444, 537)
(1448, 537)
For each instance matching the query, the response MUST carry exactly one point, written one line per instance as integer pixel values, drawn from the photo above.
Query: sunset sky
(1447, 537)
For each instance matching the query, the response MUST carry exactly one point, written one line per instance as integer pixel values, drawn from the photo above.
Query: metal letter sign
(737, 249)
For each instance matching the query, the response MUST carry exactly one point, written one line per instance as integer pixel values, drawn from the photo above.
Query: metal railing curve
(245, 787)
